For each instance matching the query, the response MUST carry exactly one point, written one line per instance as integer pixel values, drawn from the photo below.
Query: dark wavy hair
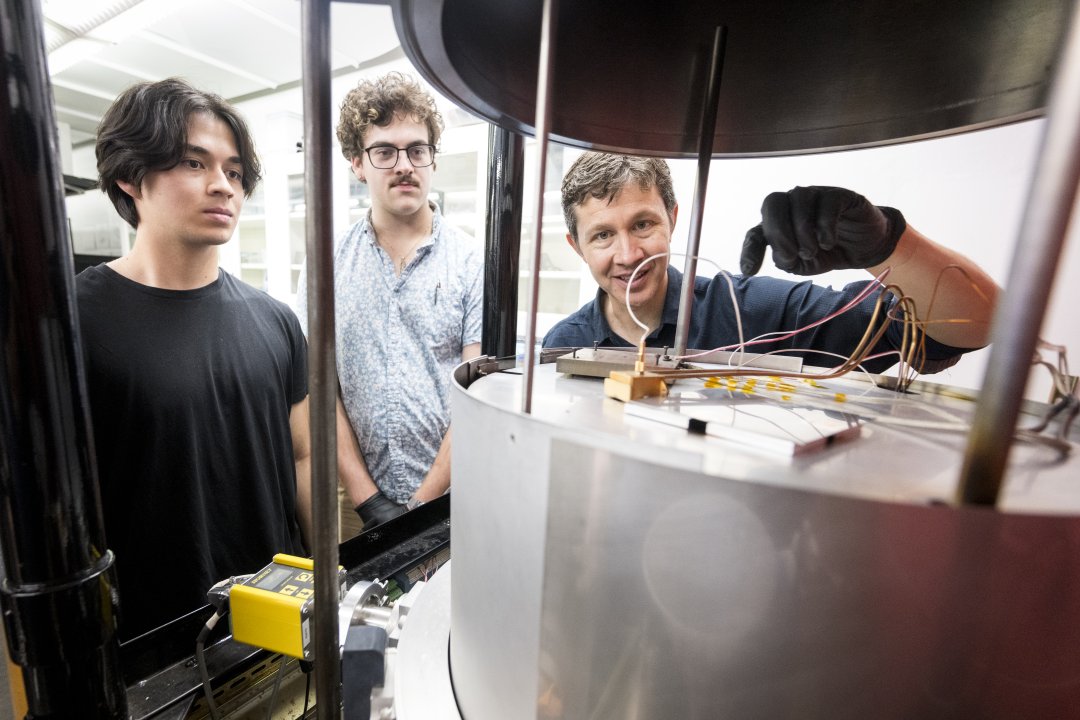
(145, 130)
(378, 102)
(603, 175)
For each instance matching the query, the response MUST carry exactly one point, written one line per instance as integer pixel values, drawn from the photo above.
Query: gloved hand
(377, 509)
(816, 229)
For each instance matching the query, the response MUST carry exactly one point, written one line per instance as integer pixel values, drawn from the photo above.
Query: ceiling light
(137, 18)
(71, 53)
(80, 16)
(94, 24)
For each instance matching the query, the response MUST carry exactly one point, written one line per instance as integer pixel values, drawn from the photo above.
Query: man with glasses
(408, 300)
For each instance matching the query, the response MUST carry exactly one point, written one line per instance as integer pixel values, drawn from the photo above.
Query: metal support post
(705, 148)
(544, 80)
(322, 370)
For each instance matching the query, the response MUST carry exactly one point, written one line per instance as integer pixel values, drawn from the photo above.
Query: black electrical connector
(363, 668)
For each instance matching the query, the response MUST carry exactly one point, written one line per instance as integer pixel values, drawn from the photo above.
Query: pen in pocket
(437, 286)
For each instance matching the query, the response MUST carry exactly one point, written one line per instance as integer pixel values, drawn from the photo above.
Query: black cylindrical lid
(798, 76)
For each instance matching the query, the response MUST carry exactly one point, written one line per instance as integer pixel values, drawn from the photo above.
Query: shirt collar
(670, 314)
(436, 226)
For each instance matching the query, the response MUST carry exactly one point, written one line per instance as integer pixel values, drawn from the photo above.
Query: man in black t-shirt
(197, 382)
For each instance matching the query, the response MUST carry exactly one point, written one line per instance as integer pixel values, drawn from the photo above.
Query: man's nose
(220, 184)
(403, 162)
(627, 249)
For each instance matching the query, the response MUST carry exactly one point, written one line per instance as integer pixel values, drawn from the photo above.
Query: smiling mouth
(625, 279)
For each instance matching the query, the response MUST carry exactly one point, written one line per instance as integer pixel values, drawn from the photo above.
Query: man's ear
(358, 167)
(674, 215)
(129, 189)
(574, 245)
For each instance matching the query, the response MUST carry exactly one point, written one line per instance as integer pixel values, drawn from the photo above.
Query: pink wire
(865, 293)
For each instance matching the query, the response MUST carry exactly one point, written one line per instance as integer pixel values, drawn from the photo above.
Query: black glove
(816, 229)
(377, 509)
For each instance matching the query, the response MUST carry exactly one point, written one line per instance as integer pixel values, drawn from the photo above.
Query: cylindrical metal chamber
(610, 566)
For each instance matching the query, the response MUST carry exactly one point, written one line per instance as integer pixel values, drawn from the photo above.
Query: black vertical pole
(506, 166)
(57, 582)
(322, 363)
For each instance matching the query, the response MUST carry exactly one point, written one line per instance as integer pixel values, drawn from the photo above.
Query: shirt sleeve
(301, 298)
(771, 304)
(567, 333)
(473, 326)
(299, 361)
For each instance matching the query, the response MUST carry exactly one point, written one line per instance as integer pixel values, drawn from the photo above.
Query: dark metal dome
(798, 76)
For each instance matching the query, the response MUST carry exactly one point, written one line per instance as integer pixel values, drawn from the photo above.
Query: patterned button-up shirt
(398, 339)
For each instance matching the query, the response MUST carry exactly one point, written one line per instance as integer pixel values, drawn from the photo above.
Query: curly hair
(603, 175)
(378, 102)
(145, 130)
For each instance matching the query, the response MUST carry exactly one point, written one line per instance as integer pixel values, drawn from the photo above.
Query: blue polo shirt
(767, 305)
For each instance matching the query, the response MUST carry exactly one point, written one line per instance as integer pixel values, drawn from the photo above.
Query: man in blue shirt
(621, 210)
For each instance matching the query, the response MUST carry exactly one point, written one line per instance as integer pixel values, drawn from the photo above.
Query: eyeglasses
(385, 157)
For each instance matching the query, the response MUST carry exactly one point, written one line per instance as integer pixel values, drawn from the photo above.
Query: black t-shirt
(190, 394)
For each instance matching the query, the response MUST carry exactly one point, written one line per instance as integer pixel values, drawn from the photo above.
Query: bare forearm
(953, 296)
(299, 428)
(437, 480)
(303, 498)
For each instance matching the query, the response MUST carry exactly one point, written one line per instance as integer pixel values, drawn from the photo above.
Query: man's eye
(192, 163)
(236, 175)
(383, 153)
(643, 225)
(419, 153)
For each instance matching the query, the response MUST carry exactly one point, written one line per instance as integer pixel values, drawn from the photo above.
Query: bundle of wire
(912, 351)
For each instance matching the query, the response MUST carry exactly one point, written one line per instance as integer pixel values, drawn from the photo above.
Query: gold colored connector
(626, 386)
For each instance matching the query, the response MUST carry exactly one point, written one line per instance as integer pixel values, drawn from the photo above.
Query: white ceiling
(236, 48)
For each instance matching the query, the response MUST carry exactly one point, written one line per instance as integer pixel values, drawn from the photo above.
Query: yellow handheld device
(273, 608)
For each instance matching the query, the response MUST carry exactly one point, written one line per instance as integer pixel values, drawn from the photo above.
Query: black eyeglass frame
(406, 150)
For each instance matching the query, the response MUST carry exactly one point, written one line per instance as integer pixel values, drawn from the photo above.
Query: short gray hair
(603, 175)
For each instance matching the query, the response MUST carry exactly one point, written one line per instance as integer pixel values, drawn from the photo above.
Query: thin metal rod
(544, 80)
(705, 148)
(322, 367)
(502, 248)
(1020, 311)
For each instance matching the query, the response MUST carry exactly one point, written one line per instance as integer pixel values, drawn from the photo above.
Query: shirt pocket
(443, 326)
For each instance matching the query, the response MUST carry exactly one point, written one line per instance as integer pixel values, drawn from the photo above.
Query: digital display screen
(274, 578)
